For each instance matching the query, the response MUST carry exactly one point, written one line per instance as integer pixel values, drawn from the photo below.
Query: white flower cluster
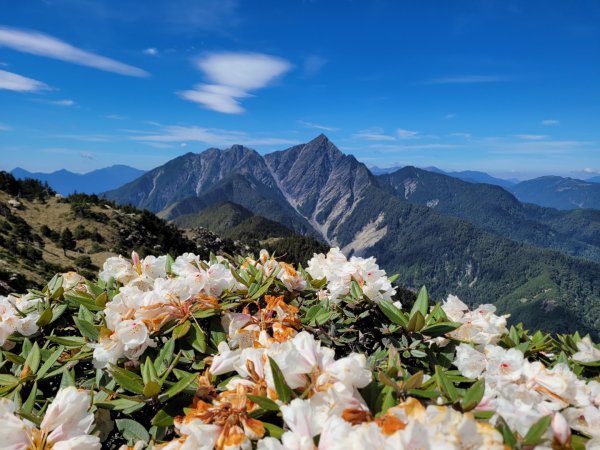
(340, 272)
(289, 277)
(522, 392)
(404, 427)
(19, 315)
(480, 326)
(149, 298)
(13, 318)
(299, 358)
(66, 425)
(331, 408)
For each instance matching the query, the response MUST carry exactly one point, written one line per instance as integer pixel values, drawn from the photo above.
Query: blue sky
(512, 88)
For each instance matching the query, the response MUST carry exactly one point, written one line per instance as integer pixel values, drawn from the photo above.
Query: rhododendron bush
(237, 353)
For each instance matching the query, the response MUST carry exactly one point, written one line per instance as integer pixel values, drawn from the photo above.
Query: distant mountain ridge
(317, 187)
(192, 182)
(472, 176)
(495, 209)
(559, 192)
(65, 182)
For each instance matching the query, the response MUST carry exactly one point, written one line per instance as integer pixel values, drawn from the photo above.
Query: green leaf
(6, 379)
(440, 329)
(414, 382)
(58, 312)
(30, 402)
(132, 431)
(55, 283)
(388, 399)
(284, 392)
(87, 329)
(34, 358)
(81, 298)
(264, 402)
(68, 341)
(391, 312)
(151, 389)
(118, 404)
(260, 292)
(49, 362)
(127, 380)
(181, 330)
(473, 395)
(416, 322)
(356, 290)
(162, 419)
(165, 356)
(169, 264)
(445, 385)
(198, 339)
(422, 303)
(535, 434)
(273, 430)
(181, 385)
(45, 317)
(509, 438)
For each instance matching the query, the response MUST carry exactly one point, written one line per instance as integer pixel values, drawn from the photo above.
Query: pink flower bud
(561, 429)
(135, 258)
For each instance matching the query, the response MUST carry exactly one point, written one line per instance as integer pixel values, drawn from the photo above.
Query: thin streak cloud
(40, 44)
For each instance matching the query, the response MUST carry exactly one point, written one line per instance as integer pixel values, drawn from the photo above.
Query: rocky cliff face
(321, 182)
(190, 175)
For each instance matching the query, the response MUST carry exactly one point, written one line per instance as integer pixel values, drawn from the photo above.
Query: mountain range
(576, 232)
(65, 182)
(559, 192)
(472, 176)
(419, 229)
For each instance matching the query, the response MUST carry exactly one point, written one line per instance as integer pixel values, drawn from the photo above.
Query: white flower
(587, 351)
(65, 426)
(480, 326)
(118, 268)
(340, 272)
(196, 435)
(12, 320)
(469, 361)
(154, 267)
(291, 278)
(224, 361)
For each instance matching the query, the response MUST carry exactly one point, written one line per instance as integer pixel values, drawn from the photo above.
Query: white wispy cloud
(316, 126)
(544, 147)
(87, 155)
(210, 136)
(41, 44)
(4, 127)
(65, 102)
(313, 65)
(410, 147)
(550, 122)
(231, 77)
(373, 134)
(115, 117)
(406, 134)
(531, 137)
(85, 137)
(468, 79)
(461, 135)
(14, 82)
(449, 116)
(150, 51)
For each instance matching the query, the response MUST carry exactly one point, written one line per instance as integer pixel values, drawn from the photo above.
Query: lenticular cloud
(232, 76)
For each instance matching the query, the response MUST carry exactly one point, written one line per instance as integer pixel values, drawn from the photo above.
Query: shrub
(201, 354)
